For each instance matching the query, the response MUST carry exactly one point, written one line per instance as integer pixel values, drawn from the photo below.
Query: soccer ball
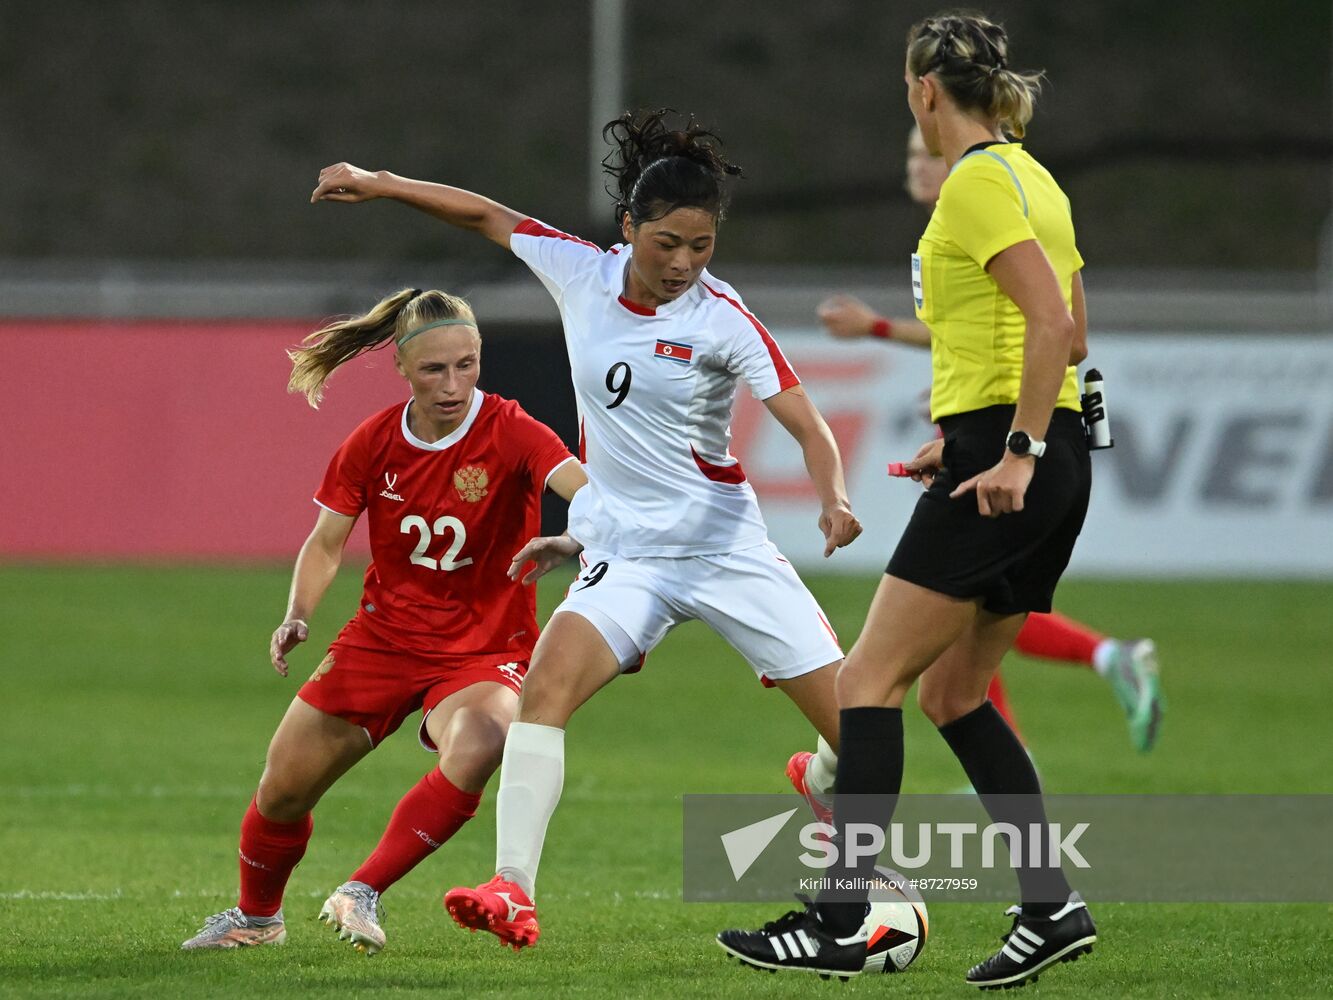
(897, 922)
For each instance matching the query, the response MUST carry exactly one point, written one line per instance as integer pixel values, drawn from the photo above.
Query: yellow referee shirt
(993, 198)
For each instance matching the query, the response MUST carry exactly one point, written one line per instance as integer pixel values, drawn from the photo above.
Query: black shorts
(1013, 561)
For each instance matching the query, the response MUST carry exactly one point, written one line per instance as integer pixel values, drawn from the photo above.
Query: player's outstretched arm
(346, 183)
(797, 414)
(316, 566)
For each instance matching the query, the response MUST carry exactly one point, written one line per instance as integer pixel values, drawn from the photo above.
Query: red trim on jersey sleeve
(786, 377)
(733, 474)
(583, 444)
(531, 227)
(828, 626)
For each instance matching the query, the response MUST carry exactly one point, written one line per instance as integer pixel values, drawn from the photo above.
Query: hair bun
(640, 141)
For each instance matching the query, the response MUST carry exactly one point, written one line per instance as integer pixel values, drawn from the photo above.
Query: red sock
(269, 852)
(1001, 702)
(1055, 637)
(427, 816)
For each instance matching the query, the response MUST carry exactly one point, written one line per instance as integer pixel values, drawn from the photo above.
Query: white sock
(823, 769)
(1103, 657)
(531, 777)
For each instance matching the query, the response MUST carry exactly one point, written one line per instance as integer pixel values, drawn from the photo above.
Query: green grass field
(139, 703)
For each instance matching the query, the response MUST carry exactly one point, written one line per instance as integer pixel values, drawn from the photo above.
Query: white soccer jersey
(655, 390)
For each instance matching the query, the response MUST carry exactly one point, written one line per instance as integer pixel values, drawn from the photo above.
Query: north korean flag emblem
(670, 351)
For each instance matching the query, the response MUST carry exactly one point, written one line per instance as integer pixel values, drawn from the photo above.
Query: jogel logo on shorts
(471, 482)
(325, 665)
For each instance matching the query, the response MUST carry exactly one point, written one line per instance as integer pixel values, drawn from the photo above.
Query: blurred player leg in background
(1128, 665)
(998, 697)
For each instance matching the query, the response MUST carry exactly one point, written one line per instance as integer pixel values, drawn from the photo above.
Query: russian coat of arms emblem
(471, 482)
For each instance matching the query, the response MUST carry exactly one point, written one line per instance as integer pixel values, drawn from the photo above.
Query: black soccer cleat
(798, 942)
(1036, 943)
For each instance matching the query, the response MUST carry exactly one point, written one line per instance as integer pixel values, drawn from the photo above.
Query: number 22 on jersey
(426, 532)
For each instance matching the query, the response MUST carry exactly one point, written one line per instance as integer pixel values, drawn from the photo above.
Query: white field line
(136, 792)
(581, 793)
(63, 897)
(50, 895)
(59, 896)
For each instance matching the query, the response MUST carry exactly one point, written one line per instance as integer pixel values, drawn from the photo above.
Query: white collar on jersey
(450, 439)
(615, 284)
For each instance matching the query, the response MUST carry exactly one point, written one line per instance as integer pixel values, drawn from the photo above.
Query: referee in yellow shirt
(996, 279)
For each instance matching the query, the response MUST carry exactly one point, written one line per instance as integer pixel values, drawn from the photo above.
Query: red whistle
(899, 470)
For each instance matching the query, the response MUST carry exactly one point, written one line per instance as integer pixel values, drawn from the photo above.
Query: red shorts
(377, 689)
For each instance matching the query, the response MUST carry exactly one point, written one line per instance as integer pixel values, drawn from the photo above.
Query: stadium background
(157, 252)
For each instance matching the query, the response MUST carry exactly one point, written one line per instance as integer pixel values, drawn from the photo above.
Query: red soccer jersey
(445, 521)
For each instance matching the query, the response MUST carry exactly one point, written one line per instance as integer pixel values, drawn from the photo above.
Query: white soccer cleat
(354, 909)
(233, 929)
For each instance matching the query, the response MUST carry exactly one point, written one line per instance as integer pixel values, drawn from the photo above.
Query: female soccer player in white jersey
(669, 526)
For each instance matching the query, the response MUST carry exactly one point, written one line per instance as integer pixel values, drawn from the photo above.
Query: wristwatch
(1021, 444)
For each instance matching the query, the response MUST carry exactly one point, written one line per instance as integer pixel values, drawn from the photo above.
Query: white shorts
(752, 598)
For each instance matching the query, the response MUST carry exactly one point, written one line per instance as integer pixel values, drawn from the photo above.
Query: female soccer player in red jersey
(451, 485)
(1128, 665)
(671, 528)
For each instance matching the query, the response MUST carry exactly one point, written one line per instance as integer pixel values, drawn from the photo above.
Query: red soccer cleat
(796, 768)
(497, 906)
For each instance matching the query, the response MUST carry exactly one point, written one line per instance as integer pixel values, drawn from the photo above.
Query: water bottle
(1095, 416)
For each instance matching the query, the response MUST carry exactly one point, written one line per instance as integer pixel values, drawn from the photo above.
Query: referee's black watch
(1022, 445)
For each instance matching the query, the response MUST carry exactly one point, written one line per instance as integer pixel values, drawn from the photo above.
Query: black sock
(870, 763)
(1006, 782)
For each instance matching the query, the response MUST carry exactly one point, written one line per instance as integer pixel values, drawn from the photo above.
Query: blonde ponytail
(1013, 99)
(392, 318)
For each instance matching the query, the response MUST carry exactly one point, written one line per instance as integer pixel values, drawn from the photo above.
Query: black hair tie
(942, 53)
